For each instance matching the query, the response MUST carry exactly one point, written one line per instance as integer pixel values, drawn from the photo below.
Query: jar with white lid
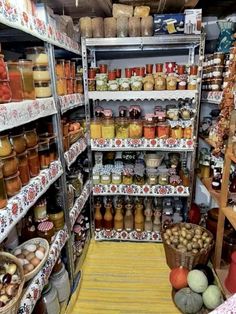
(60, 281)
(50, 299)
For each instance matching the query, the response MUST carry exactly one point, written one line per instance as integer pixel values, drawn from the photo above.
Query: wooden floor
(124, 278)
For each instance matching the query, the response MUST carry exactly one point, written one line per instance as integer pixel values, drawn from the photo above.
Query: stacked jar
(5, 90)
(102, 78)
(41, 75)
(67, 81)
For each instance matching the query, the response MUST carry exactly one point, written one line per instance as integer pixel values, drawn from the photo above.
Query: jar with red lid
(67, 69)
(69, 86)
(3, 69)
(111, 75)
(46, 230)
(23, 168)
(15, 81)
(193, 69)
(13, 185)
(5, 92)
(33, 161)
(159, 67)
(149, 128)
(182, 77)
(170, 67)
(118, 73)
(163, 130)
(103, 68)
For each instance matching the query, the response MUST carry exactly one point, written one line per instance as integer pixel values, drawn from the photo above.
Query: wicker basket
(13, 306)
(176, 258)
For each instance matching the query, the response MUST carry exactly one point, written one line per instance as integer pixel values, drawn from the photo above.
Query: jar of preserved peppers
(149, 128)
(15, 78)
(163, 130)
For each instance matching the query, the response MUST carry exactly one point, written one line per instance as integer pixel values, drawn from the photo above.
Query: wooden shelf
(208, 141)
(231, 157)
(222, 274)
(215, 194)
(230, 214)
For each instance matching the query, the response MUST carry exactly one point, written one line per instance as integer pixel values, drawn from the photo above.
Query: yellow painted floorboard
(124, 278)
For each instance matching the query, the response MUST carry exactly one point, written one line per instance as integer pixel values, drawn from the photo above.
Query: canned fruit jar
(136, 129)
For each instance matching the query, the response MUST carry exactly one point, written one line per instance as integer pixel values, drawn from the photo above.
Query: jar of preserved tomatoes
(26, 68)
(23, 168)
(3, 69)
(163, 130)
(60, 68)
(149, 128)
(15, 81)
(67, 69)
(33, 160)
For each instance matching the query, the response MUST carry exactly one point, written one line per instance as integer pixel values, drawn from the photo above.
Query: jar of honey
(23, 168)
(33, 160)
(67, 69)
(176, 132)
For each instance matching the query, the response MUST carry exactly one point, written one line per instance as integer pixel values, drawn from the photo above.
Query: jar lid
(40, 68)
(34, 50)
(45, 226)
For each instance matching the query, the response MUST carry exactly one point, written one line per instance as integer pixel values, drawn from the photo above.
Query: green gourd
(197, 281)
(187, 301)
(212, 297)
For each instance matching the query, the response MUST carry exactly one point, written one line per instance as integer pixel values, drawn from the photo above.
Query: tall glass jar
(15, 81)
(108, 128)
(136, 128)
(26, 68)
(50, 299)
(60, 68)
(149, 129)
(96, 128)
(38, 55)
(33, 160)
(3, 195)
(122, 128)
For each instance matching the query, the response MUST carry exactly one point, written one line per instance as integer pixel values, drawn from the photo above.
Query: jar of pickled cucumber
(122, 128)
(136, 83)
(108, 128)
(176, 132)
(101, 82)
(124, 84)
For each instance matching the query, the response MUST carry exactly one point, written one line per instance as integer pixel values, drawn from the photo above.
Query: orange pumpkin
(178, 277)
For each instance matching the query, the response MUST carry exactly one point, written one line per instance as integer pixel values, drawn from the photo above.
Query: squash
(212, 297)
(197, 281)
(187, 301)
(207, 271)
(178, 277)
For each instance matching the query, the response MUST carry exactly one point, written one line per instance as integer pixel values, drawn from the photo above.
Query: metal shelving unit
(92, 48)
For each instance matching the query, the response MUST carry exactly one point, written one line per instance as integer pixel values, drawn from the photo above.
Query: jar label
(216, 73)
(183, 83)
(215, 87)
(116, 177)
(96, 177)
(105, 178)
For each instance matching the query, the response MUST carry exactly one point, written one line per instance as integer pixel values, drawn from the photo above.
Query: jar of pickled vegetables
(67, 69)
(163, 130)
(136, 83)
(135, 129)
(116, 177)
(149, 129)
(15, 78)
(188, 132)
(105, 177)
(96, 128)
(124, 84)
(38, 55)
(33, 160)
(176, 132)
(101, 82)
(26, 68)
(113, 85)
(163, 177)
(3, 194)
(60, 68)
(108, 128)
(122, 128)
(61, 87)
(151, 176)
(171, 82)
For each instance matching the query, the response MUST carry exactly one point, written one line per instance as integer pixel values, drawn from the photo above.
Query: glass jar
(176, 132)
(91, 85)
(72, 69)
(23, 168)
(216, 84)
(39, 307)
(147, 26)
(3, 194)
(33, 161)
(57, 218)
(135, 128)
(44, 154)
(9, 165)
(67, 69)
(85, 26)
(192, 82)
(61, 87)
(41, 73)
(5, 146)
(60, 281)
(96, 128)
(163, 177)
(185, 177)
(139, 179)
(13, 185)
(60, 68)
(188, 132)
(113, 85)
(96, 176)
(134, 26)
(5, 92)
(79, 87)
(172, 113)
(124, 84)
(76, 182)
(43, 89)
(46, 230)
(116, 177)
(122, 128)
(40, 210)
(15, 81)
(163, 130)
(50, 299)
(171, 82)
(31, 138)
(18, 143)
(122, 26)
(149, 129)
(97, 27)
(160, 81)
(3, 71)
(218, 58)
(101, 82)
(108, 128)
(105, 177)
(109, 27)
(127, 178)
(151, 176)
(26, 68)
(136, 83)
(38, 55)
(69, 86)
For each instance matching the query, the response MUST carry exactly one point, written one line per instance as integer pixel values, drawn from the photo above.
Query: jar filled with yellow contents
(108, 128)
(176, 132)
(188, 132)
(136, 128)
(171, 82)
(122, 128)
(96, 128)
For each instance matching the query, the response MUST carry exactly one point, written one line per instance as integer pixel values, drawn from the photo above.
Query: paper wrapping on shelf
(122, 10)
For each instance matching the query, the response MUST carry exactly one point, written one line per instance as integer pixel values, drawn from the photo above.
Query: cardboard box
(169, 23)
(193, 21)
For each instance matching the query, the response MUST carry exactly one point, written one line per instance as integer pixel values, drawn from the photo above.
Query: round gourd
(212, 297)
(207, 271)
(178, 277)
(197, 281)
(188, 301)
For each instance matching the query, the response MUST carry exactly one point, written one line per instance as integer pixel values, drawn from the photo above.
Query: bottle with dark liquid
(118, 218)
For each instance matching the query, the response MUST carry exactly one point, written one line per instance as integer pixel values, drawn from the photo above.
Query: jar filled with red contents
(111, 75)
(163, 130)
(103, 68)
(5, 92)
(170, 67)
(23, 168)
(72, 69)
(13, 185)
(128, 72)
(159, 67)
(149, 68)
(67, 69)
(3, 69)
(193, 69)
(182, 77)
(69, 86)
(91, 73)
(15, 78)
(149, 128)
(33, 160)
(118, 73)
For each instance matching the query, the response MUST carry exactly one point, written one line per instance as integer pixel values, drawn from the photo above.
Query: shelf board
(19, 204)
(142, 95)
(212, 97)
(137, 190)
(230, 214)
(215, 194)
(208, 141)
(231, 157)
(75, 150)
(143, 144)
(14, 114)
(222, 274)
(113, 235)
(34, 289)
(69, 102)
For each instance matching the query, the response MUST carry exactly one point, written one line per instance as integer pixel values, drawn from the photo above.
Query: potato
(180, 246)
(181, 239)
(176, 233)
(194, 251)
(185, 242)
(175, 241)
(172, 238)
(189, 247)
(188, 226)
(194, 239)
(168, 242)
(205, 234)
(174, 229)
(198, 236)
(196, 245)
(166, 236)
(189, 236)
(200, 242)
(183, 233)
(168, 231)
(198, 231)
(208, 240)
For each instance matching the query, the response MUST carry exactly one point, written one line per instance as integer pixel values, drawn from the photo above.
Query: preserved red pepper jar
(23, 168)
(149, 128)
(92, 73)
(5, 92)
(103, 68)
(111, 75)
(15, 81)
(72, 69)
(69, 86)
(67, 69)
(128, 73)
(163, 130)
(33, 160)
(3, 69)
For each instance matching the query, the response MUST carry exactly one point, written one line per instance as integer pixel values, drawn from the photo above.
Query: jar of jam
(163, 130)
(149, 129)
(15, 81)
(46, 230)
(23, 168)
(3, 194)
(101, 82)
(193, 69)
(5, 146)
(26, 68)
(192, 82)
(124, 84)
(135, 128)
(108, 128)
(67, 69)
(5, 92)
(56, 216)
(13, 185)
(182, 77)
(31, 138)
(18, 143)
(60, 68)
(40, 210)
(33, 161)
(9, 165)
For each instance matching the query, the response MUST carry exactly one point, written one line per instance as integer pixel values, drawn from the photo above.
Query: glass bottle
(128, 218)
(3, 195)
(148, 216)
(98, 216)
(139, 218)
(118, 218)
(108, 218)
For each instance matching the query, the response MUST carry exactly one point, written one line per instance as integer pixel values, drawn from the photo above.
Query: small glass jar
(96, 128)
(31, 138)
(3, 194)
(60, 68)
(15, 81)
(122, 128)
(46, 230)
(13, 185)
(72, 69)
(101, 82)
(176, 132)
(139, 179)
(18, 143)
(173, 114)
(116, 177)
(151, 176)
(96, 176)
(60, 281)
(9, 165)
(58, 220)
(23, 168)
(5, 146)
(69, 86)
(192, 82)
(91, 85)
(160, 81)
(38, 55)
(171, 82)
(163, 130)
(61, 87)
(33, 161)
(113, 85)
(26, 68)
(50, 299)
(149, 129)
(124, 84)
(163, 178)
(135, 128)
(217, 71)
(127, 178)
(79, 87)
(44, 154)
(108, 128)
(105, 177)
(136, 83)
(188, 132)
(40, 211)
(43, 89)
(41, 73)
